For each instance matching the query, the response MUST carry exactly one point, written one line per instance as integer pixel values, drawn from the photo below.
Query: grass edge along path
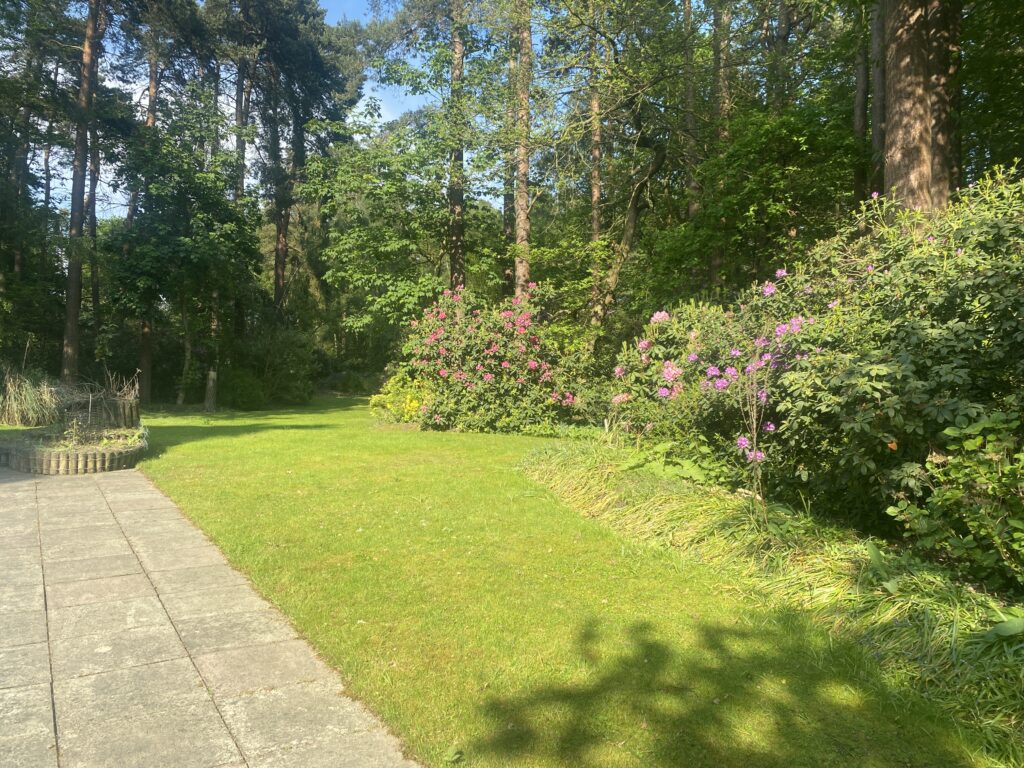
(925, 630)
(490, 625)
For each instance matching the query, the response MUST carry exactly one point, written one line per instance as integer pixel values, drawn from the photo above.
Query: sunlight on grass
(487, 623)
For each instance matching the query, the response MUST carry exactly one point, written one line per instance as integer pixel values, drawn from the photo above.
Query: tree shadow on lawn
(163, 437)
(229, 423)
(752, 697)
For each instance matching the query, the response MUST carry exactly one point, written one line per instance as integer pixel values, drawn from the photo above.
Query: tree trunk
(146, 361)
(186, 365)
(595, 144)
(83, 118)
(277, 203)
(944, 58)
(152, 90)
(210, 398)
(722, 98)
(508, 199)
(878, 96)
(94, 266)
(908, 124)
(860, 123)
(457, 174)
(524, 79)
(241, 119)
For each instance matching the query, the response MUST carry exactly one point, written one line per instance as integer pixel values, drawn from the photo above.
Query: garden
(591, 384)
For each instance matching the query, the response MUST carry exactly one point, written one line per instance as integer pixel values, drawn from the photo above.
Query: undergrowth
(27, 400)
(955, 645)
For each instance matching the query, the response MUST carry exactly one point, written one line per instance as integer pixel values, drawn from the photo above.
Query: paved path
(127, 640)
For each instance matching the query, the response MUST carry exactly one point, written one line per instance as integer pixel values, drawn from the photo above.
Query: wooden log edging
(62, 461)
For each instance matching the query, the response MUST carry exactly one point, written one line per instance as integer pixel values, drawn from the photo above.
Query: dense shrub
(864, 356)
(243, 389)
(401, 399)
(480, 369)
(280, 359)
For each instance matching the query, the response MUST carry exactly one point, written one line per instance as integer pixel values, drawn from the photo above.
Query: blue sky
(393, 101)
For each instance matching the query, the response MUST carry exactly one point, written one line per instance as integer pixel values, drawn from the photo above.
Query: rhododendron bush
(480, 368)
(847, 379)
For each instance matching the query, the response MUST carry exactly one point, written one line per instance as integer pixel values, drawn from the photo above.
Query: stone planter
(39, 460)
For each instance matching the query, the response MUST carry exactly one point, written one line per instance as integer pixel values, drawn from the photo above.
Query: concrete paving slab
(26, 738)
(167, 559)
(24, 665)
(84, 549)
(92, 568)
(156, 652)
(120, 649)
(21, 598)
(195, 579)
(103, 590)
(238, 671)
(234, 599)
(22, 627)
(97, 618)
(204, 634)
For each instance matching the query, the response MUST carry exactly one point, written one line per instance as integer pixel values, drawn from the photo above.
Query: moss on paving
(491, 626)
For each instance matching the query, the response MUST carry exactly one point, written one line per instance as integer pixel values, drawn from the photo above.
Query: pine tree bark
(860, 123)
(94, 266)
(720, 42)
(213, 369)
(83, 119)
(524, 81)
(944, 18)
(186, 365)
(145, 361)
(457, 173)
(908, 124)
(878, 96)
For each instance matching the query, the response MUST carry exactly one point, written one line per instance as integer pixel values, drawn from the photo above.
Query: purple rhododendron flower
(692, 357)
(780, 273)
(721, 384)
(768, 289)
(670, 371)
(742, 441)
(644, 344)
(755, 456)
(659, 317)
(761, 342)
(734, 352)
(731, 372)
(762, 396)
(768, 427)
(713, 371)
(663, 392)
(619, 371)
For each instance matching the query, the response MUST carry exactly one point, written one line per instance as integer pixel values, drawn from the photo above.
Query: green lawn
(476, 615)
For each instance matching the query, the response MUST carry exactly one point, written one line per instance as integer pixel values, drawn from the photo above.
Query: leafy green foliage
(973, 516)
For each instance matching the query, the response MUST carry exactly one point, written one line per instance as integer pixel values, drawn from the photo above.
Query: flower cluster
(487, 369)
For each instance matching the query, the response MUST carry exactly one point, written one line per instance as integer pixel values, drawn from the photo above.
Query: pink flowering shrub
(484, 368)
(702, 373)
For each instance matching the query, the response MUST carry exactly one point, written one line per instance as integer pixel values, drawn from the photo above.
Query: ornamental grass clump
(476, 368)
(27, 400)
(954, 644)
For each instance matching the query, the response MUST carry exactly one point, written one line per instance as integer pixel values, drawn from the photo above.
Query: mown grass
(928, 631)
(490, 625)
